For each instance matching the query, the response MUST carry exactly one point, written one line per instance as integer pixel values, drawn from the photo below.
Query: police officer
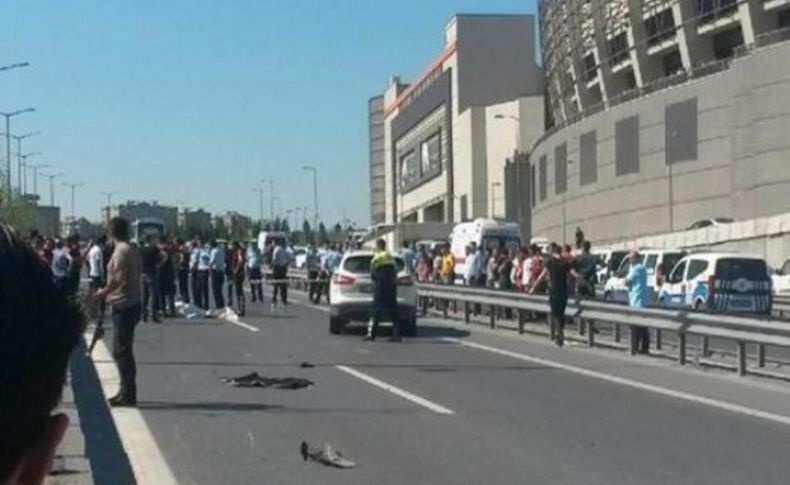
(385, 291)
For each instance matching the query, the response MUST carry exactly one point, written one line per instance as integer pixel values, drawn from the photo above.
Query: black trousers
(558, 303)
(279, 273)
(241, 301)
(256, 286)
(230, 284)
(183, 285)
(151, 296)
(124, 321)
(640, 339)
(314, 293)
(201, 298)
(217, 281)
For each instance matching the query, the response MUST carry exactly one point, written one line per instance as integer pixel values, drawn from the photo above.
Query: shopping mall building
(661, 113)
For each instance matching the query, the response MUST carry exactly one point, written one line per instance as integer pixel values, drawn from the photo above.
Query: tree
(284, 226)
(19, 213)
(268, 227)
(322, 236)
(277, 225)
(338, 228)
(307, 230)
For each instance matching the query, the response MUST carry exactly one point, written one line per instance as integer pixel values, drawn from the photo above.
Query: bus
(142, 229)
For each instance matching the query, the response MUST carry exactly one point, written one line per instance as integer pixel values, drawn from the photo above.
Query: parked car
(351, 294)
(781, 279)
(719, 282)
(716, 221)
(609, 262)
(658, 262)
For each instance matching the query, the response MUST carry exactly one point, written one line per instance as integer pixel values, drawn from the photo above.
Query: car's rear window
(361, 264)
(734, 268)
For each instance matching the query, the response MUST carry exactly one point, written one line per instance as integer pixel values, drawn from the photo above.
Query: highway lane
(513, 421)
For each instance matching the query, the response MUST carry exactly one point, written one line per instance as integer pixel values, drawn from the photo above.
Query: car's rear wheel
(336, 325)
(409, 328)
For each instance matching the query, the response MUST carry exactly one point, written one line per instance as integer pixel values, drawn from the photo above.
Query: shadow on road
(108, 461)
(205, 406)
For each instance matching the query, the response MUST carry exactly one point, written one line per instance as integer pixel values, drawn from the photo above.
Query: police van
(719, 282)
(485, 233)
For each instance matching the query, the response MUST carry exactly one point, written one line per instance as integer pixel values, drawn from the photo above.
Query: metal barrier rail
(741, 330)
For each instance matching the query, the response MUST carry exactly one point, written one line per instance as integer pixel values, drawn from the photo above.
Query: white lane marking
(241, 324)
(148, 462)
(437, 408)
(715, 403)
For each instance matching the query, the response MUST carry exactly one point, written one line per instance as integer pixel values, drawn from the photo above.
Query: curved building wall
(715, 146)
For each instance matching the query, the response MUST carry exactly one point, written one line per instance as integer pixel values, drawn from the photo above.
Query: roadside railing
(587, 313)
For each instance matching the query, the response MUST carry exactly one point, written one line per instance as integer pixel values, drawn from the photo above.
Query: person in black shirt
(557, 270)
(153, 260)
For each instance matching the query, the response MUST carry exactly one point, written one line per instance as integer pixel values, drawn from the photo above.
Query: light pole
(260, 196)
(8, 116)
(315, 192)
(279, 206)
(271, 197)
(24, 166)
(19, 139)
(36, 168)
(494, 185)
(109, 194)
(52, 178)
(73, 187)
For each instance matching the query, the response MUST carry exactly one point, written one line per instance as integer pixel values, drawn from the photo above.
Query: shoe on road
(119, 401)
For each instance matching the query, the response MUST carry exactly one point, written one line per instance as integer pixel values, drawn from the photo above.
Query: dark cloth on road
(256, 380)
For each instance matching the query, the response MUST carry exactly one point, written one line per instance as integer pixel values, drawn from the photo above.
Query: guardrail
(684, 323)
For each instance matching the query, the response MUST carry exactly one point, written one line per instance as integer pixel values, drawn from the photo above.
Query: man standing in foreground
(385, 291)
(636, 282)
(40, 326)
(122, 292)
(557, 270)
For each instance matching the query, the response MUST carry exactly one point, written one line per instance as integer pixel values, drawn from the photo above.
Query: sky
(193, 102)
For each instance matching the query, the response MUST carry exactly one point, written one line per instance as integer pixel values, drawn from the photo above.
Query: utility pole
(73, 187)
(52, 178)
(19, 139)
(259, 190)
(36, 168)
(315, 193)
(8, 116)
(26, 166)
(271, 197)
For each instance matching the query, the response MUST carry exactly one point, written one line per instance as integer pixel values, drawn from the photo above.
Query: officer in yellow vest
(385, 291)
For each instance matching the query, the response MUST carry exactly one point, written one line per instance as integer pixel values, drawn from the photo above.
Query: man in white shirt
(217, 266)
(97, 270)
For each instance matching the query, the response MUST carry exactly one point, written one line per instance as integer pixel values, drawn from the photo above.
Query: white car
(657, 262)
(716, 221)
(781, 279)
(719, 282)
(351, 294)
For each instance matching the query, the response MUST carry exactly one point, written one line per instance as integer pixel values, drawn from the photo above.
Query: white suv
(351, 294)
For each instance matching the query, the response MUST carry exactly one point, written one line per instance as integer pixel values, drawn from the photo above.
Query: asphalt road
(522, 411)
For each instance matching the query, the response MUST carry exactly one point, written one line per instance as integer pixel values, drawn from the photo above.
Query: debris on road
(306, 365)
(256, 380)
(327, 456)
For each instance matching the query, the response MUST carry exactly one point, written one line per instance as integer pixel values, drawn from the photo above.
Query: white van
(719, 282)
(486, 233)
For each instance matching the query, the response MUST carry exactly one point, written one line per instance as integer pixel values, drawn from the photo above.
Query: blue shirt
(636, 281)
(217, 259)
(253, 257)
(204, 259)
(331, 261)
(409, 259)
(312, 261)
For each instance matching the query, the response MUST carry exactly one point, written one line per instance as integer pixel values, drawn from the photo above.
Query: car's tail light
(405, 281)
(343, 280)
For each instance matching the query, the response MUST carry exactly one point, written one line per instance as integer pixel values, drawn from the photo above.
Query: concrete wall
(741, 170)
(376, 161)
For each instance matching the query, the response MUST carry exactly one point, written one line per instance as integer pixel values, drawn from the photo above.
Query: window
(588, 158)
(430, 156)
(734, 268)
(626, 133)
(618, 49)
(533, 184)
(786, 268)
(361, 264)
(542, 174)
(408, 170)
(677, 273)
(681, 128)
(696, 268)
(650, 262)
(660, 27)
(560, 168)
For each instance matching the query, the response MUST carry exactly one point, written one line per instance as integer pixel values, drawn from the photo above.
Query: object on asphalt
(256, 380)
(306, 365)
(327, 456)
(191, 312)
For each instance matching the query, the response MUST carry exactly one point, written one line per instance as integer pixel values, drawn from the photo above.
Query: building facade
(133, 210)
(376, 137)
(193, 222)
(447, 135)
(662, 113)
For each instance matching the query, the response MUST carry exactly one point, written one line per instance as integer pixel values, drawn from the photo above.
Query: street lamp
(73, 187)
(271, 196)
(36, 168)
(52, 178)
(494, 185)
(315, 192)
(279, 206)
(24, 166)
(8, 115)
(19, 139)
(109, 195)
(259, 190)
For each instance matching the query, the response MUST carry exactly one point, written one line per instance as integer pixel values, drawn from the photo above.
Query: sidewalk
(72, 466)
